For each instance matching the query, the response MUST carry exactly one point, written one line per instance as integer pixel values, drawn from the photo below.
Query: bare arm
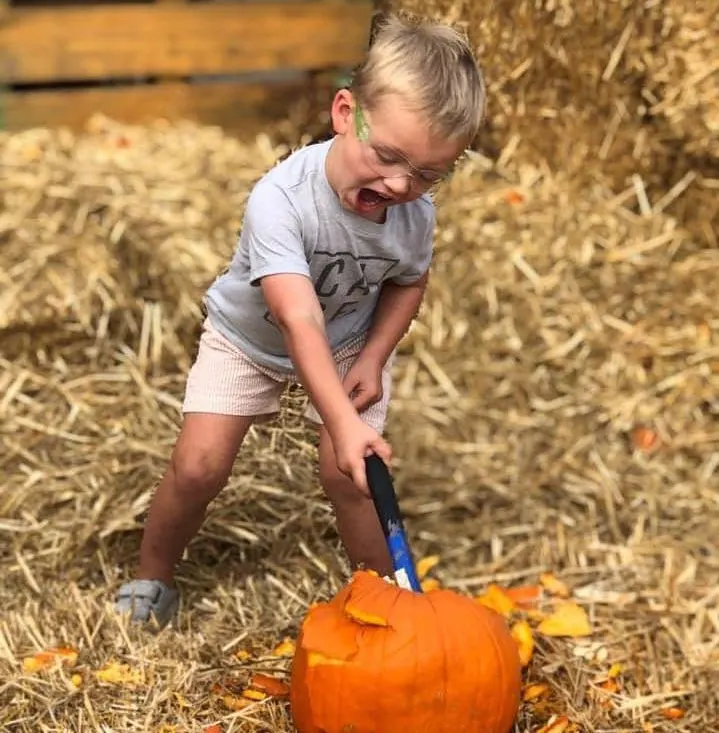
(293, 304)
(295, 308)
(396, 309)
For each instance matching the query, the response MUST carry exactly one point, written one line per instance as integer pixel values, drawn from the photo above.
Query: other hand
(364, 383)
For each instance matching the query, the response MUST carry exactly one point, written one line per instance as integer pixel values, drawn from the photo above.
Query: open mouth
(368, 199)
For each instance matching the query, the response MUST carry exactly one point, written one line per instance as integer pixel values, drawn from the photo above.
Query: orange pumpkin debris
(610, 682)
(230, 691)
(535, 691)
(284, 649)
(645, 439)
(554, 586)
(380, 657)
(522, 634)
(569, 619)
(513, 197)
(232, 702)
(425, 564)
(255, 695)
(496, 599)
(610, 685)
(116, 673)
(560, 725)
(271, 686)
(524, 596)
(430, 584)
(61, 655)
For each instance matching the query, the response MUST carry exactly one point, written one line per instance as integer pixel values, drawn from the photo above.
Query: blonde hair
(430, 65)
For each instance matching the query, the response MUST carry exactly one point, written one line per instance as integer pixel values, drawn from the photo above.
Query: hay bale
(683, 75)
(553, 70)
(91, 233)
(680, 92)
(538, 281)
(585, 88)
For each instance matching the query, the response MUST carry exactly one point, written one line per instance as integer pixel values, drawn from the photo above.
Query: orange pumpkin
(381, 659)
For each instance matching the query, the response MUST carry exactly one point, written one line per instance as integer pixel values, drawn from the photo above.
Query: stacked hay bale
(115, 231)
(682, 93)
(556, 320)
(683, 75)
(617, 90)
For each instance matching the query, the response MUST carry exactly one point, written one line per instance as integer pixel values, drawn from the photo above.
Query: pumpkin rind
(435, 662)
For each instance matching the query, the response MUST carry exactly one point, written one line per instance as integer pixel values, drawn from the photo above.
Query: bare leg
(357, 522)
(200, 465)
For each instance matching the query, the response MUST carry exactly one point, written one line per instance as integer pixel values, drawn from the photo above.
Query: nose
(399, 185)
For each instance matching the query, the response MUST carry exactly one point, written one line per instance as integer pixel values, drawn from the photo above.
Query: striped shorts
(223, 380)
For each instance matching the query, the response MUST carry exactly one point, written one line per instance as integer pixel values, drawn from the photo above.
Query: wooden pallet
(216, 62)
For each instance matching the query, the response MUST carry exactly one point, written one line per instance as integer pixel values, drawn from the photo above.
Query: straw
(555, 409)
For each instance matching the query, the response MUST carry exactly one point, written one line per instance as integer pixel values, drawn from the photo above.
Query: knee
(198, 476)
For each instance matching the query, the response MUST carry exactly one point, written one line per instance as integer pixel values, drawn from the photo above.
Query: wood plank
(234, 107)
(125, 41)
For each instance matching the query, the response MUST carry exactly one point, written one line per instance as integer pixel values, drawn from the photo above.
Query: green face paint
(361, 124)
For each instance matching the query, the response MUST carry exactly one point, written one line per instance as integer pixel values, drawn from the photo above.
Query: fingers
(362, 389)
(383, 449)
(365, 397)
(356, 392)
(359, 477)
(350, 383)
(358, 400)
(353, 447)
(356, 471)
(359, 471)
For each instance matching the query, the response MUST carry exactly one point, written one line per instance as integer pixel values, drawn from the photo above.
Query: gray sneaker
(146, 598)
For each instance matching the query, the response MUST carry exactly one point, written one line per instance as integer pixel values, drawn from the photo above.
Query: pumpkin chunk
(327, 634)
(569, 619)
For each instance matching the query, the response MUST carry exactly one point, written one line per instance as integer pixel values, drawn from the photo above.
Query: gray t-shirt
(294, 223)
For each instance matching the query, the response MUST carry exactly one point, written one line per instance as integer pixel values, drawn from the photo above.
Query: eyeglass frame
(363, 132)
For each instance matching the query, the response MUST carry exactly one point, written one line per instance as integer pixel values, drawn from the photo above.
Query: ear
(341, 111)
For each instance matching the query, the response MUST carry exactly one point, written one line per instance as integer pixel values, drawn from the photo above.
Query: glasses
(389, 163)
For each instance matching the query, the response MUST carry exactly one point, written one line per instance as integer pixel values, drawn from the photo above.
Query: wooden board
(234, 107)
(124, 41)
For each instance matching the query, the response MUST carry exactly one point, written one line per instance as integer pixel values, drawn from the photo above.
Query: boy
(329, 272)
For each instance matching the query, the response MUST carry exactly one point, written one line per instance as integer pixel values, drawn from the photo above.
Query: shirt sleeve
(423, 259)
(272, 234)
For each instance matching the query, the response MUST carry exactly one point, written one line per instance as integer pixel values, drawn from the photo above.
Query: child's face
(385, 157)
